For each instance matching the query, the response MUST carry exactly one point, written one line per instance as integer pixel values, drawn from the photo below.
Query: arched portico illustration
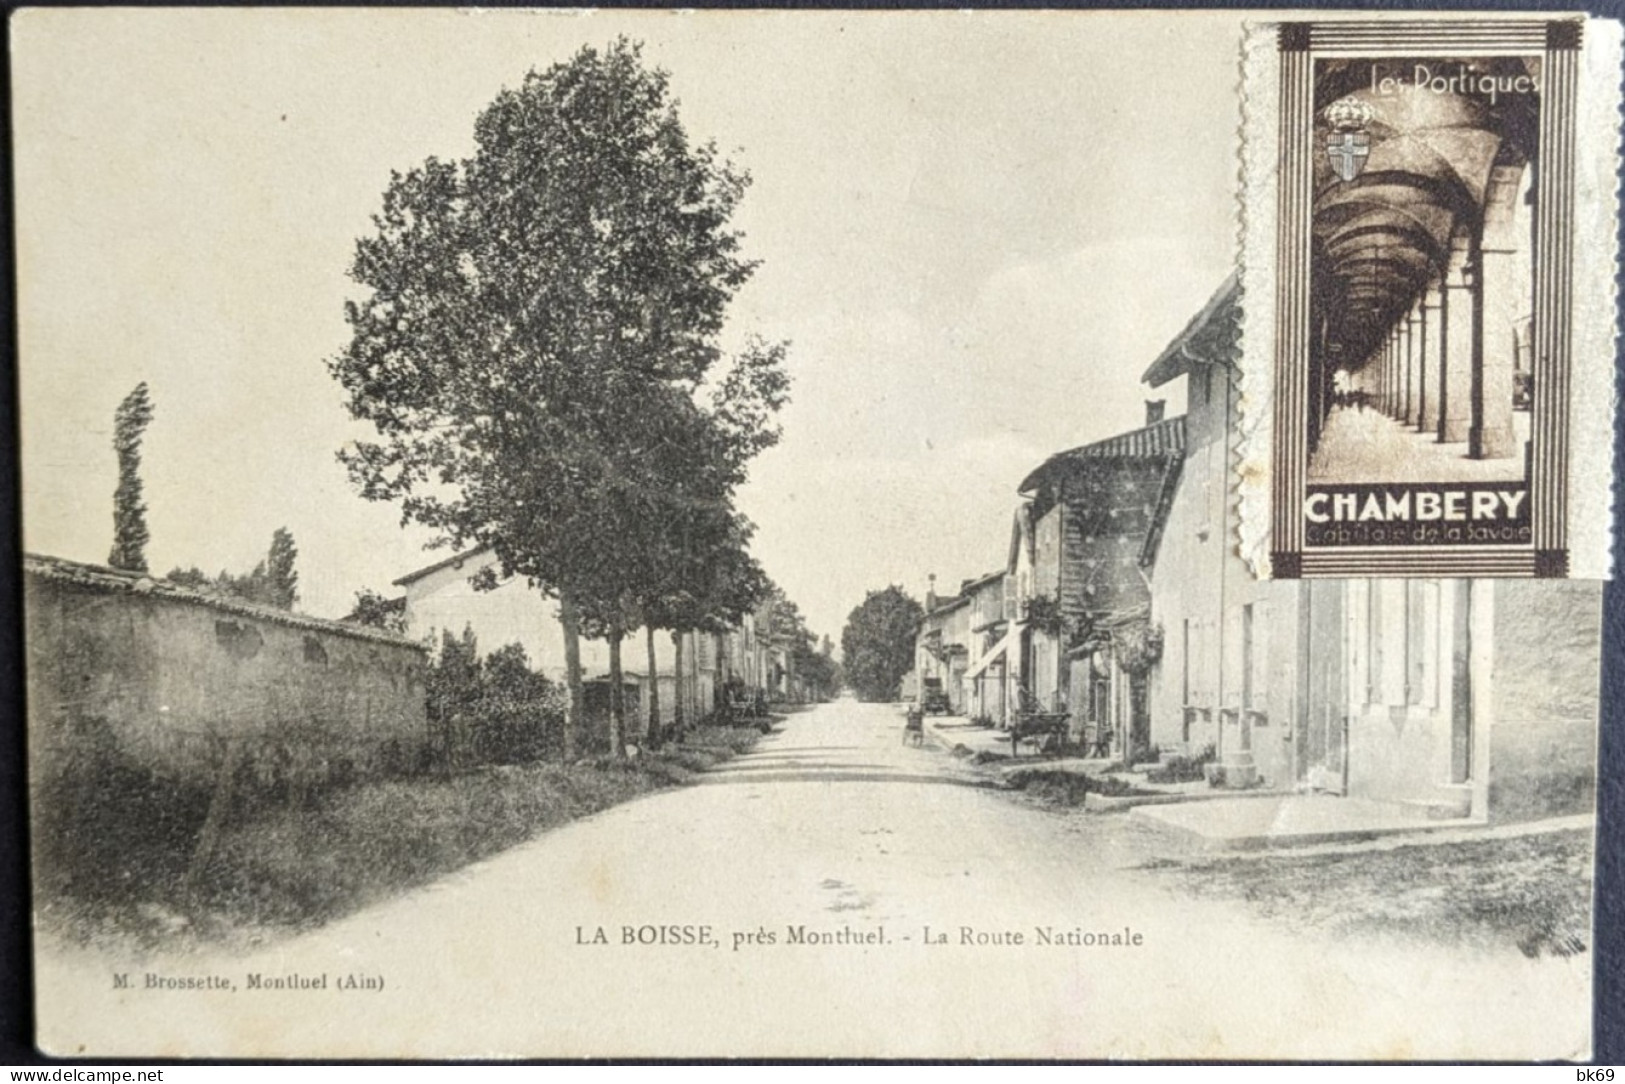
(1421, 273)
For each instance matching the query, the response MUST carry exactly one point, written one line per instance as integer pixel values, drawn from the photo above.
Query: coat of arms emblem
(1348, 144)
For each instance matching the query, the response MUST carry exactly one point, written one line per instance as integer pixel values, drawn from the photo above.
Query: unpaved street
(831, 831)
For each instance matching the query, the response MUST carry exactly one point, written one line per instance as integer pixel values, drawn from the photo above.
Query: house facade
(1085, 531)
(942, 647)
(992, 676)
(1447, 695)
(694, 667)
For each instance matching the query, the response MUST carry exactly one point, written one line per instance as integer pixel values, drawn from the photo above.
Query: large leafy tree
(540, 320)
(130, 535)
(877, 645)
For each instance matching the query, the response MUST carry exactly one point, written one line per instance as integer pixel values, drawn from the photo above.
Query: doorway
(1323, 700)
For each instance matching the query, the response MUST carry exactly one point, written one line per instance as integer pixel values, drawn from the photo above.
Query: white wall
(444, 600)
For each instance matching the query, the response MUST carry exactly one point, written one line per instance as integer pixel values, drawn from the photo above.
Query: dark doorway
(1139, 725)
(1323, 727)
(1461, 687)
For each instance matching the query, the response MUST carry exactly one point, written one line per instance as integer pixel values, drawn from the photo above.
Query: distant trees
(541, 319)
(273, 582)
(877, 645)
(130, 535)
(813, 666)
(818, 669)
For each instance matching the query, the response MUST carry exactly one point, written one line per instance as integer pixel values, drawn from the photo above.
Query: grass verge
(1531, 891)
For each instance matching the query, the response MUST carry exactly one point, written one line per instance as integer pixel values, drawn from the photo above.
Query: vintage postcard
(1430, 214)
(635, 534)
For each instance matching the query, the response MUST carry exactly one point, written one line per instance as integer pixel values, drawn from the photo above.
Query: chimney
(931, 593)
(1154, 409)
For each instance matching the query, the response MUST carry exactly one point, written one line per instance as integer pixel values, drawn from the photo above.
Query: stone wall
(1545, 695)
(175, 680)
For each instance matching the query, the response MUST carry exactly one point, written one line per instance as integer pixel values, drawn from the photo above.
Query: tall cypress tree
(281, 581)
(130, 534)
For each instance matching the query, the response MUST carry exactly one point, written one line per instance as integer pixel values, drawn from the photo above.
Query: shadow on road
(837, 775)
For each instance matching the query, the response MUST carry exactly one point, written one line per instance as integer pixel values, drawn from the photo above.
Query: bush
(495, 710)
(1145, 754)
(1067, 788)
(1183, 769)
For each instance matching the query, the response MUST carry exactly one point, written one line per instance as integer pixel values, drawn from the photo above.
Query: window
(239, 641)
(1421, 642)
(1402, 643)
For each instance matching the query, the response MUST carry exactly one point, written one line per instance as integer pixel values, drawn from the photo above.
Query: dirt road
(834, 893)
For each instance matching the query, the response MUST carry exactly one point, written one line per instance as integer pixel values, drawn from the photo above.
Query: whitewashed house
(441, 598)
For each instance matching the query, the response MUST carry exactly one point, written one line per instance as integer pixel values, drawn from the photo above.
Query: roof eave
(1176, 360)
(447, 562)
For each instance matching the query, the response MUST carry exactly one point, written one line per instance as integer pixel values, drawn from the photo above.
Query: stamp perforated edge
(1257, 195)
(1596, 301)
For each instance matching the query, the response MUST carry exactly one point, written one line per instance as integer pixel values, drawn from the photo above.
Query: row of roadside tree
(539, 352)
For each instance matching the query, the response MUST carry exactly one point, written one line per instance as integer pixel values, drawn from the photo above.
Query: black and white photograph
(730, 534)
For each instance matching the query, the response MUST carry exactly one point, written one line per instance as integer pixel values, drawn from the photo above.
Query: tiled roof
(1211, 338)
(970, 586)
(429, 570)
(121, 581)
(944, 607)
(1159, 440)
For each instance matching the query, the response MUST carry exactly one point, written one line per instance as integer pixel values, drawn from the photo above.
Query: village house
(698, 668)
(182, 684)
(992, 677)
(1063, 628)
(1078, 550)
(1456, 697)
(942, 646)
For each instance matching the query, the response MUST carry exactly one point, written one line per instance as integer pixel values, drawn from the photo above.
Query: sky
(975, 230)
